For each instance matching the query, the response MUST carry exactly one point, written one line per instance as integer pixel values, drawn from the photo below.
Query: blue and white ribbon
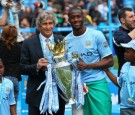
(80, 95)
(55, 104)
(49, 99)
(77, 85)
(46, 97)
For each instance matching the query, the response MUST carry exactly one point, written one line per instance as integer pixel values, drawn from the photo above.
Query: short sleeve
(11, 95)
(119, 80)
(102, 45)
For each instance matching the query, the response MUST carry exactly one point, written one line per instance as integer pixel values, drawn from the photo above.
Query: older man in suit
(33, 62)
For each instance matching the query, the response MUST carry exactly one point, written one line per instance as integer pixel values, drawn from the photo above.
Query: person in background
(95, 55)
(7, 99)
(124, 34)
(126, 80)
(10, 51)
(24, 22)
(33, 63)
(87, 18)
(4, 17)
(104, 10)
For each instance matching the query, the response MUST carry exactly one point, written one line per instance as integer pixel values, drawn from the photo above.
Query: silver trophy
(63, 69)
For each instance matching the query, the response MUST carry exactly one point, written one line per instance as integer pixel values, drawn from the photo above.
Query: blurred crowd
(95, 12)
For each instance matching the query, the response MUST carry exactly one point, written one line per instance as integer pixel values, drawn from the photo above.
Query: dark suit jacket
(31, 52)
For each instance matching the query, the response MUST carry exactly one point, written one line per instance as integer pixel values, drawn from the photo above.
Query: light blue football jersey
(91, 47)
(127, 71)
(8, 97)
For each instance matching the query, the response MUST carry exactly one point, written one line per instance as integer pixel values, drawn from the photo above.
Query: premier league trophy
(62, 68)
(62, 71)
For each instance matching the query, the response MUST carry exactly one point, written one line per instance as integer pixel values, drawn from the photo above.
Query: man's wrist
(37, 68)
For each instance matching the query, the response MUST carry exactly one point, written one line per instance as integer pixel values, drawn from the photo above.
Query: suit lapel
(55, 38)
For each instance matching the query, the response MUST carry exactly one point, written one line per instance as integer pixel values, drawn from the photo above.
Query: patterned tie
(47, 40)
(46, 47)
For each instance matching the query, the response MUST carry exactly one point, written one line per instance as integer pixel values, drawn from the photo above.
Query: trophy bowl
(63, 70)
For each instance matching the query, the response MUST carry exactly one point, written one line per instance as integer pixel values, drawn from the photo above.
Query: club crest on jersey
(87, 43)
(105, 44)
(7, 89)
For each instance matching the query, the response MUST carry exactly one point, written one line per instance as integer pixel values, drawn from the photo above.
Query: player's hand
(81, 65)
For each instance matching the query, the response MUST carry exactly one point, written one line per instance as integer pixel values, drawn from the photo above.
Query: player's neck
(78, 32)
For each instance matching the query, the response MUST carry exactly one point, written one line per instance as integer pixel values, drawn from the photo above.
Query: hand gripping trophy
(15, 7)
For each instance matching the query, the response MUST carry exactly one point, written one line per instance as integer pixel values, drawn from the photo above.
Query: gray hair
(44, 15)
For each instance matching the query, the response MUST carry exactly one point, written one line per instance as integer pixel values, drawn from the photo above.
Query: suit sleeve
(26, 67)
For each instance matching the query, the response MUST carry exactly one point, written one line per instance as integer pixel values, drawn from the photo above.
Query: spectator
(114, 12)
(4, 17)
(87, 18)
(124, 34)
(96, 15)
(103, 9)
(25, 23)
(10, 54)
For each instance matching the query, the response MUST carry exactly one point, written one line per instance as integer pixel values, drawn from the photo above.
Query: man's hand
(81, 65)
(42, 64)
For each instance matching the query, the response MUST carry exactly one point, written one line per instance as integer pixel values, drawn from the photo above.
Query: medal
(131, 101)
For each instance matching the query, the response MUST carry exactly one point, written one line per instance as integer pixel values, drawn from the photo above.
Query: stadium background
(107, 28)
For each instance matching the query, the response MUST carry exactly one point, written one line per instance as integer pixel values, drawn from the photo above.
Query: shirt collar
(44, 38)
(124, 29)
